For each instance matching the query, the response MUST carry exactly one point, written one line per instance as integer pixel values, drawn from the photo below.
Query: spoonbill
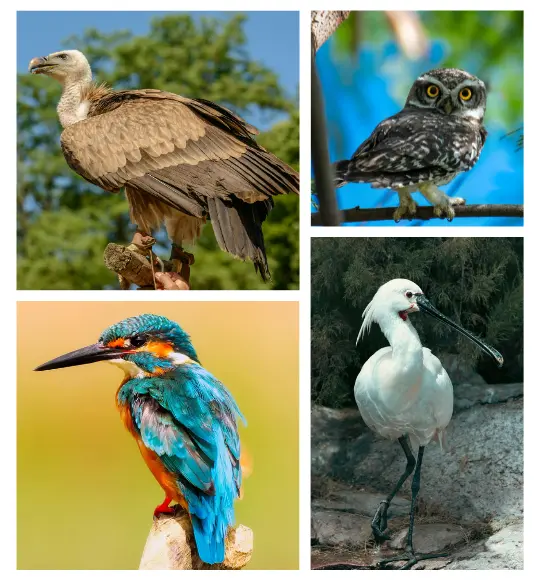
(403, 392)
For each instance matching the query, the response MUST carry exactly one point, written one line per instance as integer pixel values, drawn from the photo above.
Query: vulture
(180, 161)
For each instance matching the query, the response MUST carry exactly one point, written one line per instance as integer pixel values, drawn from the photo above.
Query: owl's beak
(446, 105)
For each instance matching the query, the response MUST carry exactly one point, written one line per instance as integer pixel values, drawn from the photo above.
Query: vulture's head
(64, 66)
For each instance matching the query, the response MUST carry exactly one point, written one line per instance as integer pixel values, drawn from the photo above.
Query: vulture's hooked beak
(39, 65)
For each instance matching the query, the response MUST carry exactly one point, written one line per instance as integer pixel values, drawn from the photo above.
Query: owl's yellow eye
(432, 91)
(466, 94)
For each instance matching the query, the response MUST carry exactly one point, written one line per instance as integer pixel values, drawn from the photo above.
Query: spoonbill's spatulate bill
(403, 392)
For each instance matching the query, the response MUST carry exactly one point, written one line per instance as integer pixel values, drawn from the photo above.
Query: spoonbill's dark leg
(409, 554)
(379, 521)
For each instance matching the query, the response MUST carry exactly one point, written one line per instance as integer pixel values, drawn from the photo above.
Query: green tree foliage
(478, 282)
(64, 223)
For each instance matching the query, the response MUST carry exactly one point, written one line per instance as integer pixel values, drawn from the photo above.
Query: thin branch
(324, 23)
(425, 213)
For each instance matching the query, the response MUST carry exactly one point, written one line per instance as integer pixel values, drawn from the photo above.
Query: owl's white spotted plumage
(437, 135)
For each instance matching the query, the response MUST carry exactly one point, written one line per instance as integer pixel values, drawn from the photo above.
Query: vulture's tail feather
(238, 230)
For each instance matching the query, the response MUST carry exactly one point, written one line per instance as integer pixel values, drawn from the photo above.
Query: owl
(437, 135)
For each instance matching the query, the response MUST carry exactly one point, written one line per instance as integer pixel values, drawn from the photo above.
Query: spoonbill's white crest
(403, 392)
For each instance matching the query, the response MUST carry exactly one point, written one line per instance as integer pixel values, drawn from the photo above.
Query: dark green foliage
(64, 223)
(477, 282)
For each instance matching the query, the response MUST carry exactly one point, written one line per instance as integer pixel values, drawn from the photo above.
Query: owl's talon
(442, 212)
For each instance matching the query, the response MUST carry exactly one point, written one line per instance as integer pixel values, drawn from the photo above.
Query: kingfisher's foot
(164, 507)
(379, 523)
(163, 510)
(411, 557)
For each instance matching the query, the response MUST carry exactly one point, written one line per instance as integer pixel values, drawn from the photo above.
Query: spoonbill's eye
(138, 340)
(409, 294)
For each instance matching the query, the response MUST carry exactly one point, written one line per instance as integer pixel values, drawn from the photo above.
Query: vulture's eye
(63, 56)
(409, 294)
(138, 340)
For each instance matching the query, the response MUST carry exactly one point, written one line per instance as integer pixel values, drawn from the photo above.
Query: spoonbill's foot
(379, 523)
(411, 557)
(407, 207)
(164, 507)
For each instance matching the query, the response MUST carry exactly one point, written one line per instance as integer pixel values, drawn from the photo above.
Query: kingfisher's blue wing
(178, 450)
(201, 403)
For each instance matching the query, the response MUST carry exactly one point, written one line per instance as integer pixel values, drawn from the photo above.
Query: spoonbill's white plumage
(403, 392)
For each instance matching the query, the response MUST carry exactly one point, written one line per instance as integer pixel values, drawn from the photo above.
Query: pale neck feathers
(77, 99)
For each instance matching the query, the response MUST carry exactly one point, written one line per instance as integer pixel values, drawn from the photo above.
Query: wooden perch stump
(171, 546)
(130, 265)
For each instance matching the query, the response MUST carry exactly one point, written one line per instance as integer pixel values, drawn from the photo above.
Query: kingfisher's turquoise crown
(154, 327)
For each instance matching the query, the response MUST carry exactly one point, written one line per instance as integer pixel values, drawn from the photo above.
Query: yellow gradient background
(85, 496)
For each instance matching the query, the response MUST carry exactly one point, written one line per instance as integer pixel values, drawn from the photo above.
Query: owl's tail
(339, 170)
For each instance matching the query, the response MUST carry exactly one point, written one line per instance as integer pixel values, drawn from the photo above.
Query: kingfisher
(183, 419)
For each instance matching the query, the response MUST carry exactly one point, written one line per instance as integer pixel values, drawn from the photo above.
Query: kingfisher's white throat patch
(130, 369)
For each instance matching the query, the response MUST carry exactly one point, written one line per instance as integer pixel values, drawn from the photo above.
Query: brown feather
(176, 157)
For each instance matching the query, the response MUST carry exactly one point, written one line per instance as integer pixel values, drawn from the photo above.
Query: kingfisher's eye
(432, 91)
(138, 340)
(466, 94)
(409, 294)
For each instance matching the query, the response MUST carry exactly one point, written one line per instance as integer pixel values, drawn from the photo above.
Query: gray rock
(501, 551)
(335, 433)
(479, 477)
(429, 538)
(335, 528)
(466, 396)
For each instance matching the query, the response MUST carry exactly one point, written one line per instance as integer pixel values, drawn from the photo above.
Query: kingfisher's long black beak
(430, 309)
(82, 356)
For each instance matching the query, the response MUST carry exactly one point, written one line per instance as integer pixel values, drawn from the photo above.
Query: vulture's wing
(192, 155)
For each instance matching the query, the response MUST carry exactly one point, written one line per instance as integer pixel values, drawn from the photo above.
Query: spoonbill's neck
(403, 338)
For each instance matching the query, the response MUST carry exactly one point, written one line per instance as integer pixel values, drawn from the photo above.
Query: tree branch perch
(425, 213)
(171, 546)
